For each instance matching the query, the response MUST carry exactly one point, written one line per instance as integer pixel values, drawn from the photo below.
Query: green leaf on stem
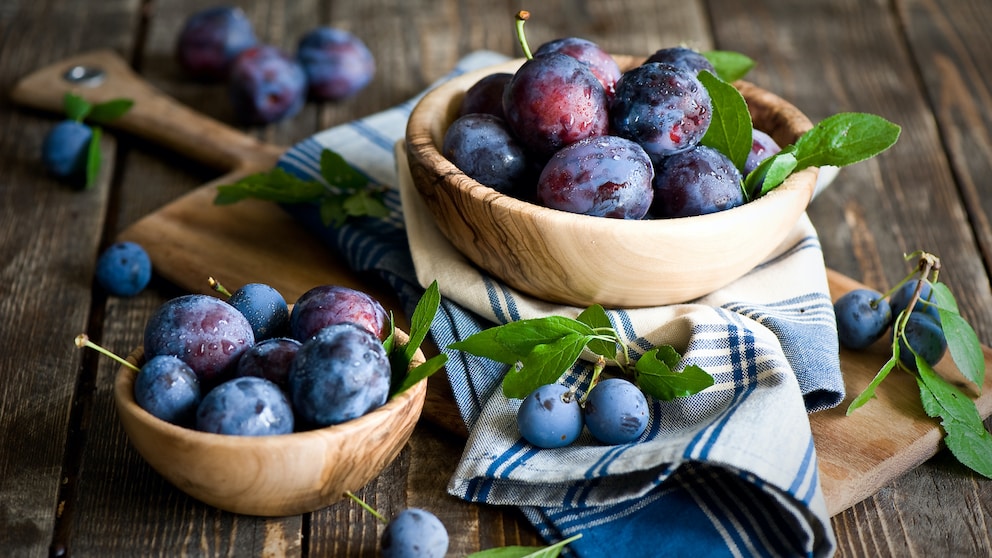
(511, 342)
(275, 185)
(962, 341)
(656, 377)
(551, 551)
(730, 66)
(93, 158)
(108, 111)
(730, 127)
(869, 392)
(544, 364)
(769, 174)
(595, 317)
(966, 436)
(844, 139)
(401, 355)
(75, 107)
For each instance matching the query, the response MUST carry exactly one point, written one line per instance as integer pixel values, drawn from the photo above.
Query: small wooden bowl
(279, 475)
(581, 260)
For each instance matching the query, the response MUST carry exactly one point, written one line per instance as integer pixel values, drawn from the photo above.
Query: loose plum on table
(550, 417)
(414, 533)
(64, 149)
(924, 334)
(899, 300)
(266, 85)
(863, 317)
(124, 269)
(211, 39)
(337, 63)
(616, 411)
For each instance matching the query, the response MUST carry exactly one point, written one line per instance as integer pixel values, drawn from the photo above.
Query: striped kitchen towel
(731, 471)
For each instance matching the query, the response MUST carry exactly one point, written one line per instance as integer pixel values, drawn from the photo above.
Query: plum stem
(215, 285)
(367, 507)
(83, 340)
(523, 16)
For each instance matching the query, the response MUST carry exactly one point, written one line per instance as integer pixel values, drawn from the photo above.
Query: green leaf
(420, 372)
(513, 341)
(93, 158)
(339, 174)
(422, 319)
(595, 317)
(844, 139)
(966, 436)
(962, 341)
(544, 364)
(869, 392)
(275, 185)
(730, 128)
(769, 174)
(76, 108)
(730, 66)
(363, 203)
(656, 378)
(106, 112)
(551, 551)
(332, 211)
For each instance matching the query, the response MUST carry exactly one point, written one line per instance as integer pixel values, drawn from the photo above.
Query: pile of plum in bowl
(257, 407)
(584, 178)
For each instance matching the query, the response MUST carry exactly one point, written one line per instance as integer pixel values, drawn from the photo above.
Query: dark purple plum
(616, 411)
(665, 109)
(901, 297)
(269, 359)
(327, 305)
(264, 307)
(924, 334)
(863, 317)
(266, 85)
(482, 146)
(168, 388)
(124, 269)
(683, 57)
(337, 63)
(245, 407)
(64, 149)
(414, 533)
(696, 182)
(604, 176)
(602, 65)
(339, 374)
(486, 95)
(553, 101)
(550, 417)
(762, 147)
(211, 39)
(205, 332)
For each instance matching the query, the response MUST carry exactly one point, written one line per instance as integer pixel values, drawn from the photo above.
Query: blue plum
(550, 417)
(683, 57)
(899, 300)
(665, 109)
(124, 269)
(339, 374)
(264, 307)
(205, 332)
(590, 54)
(696, 182)
(603, 176)
(64, 149)
(486, 95)
(924, 334)
(245, 407)
(168, 388)
(762, 147)
(552, 101)
(211, 39)
(414, 533)
(863, 317)
(482, 147)
(266, 85)
(270, 359)
(337, 63)
(326, 305)
(616, 411)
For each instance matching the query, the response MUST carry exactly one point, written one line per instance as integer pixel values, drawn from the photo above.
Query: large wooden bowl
(270, 475)
(582, 260)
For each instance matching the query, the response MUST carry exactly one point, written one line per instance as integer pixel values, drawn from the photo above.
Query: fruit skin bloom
(124, 269)
(337, 63)
(64, 149)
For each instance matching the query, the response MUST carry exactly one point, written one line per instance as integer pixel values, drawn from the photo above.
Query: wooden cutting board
(257, 242)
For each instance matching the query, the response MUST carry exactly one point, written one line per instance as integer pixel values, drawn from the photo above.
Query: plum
(696, 182)
(482, 146)
(550, 417)
(211, 39)
(245, 407)
(862, 316)
(326, 305)
(124, 269)
(266, 85)
(616, 411)
(337, 63)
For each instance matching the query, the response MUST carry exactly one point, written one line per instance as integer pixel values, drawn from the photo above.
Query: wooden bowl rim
(420, 122)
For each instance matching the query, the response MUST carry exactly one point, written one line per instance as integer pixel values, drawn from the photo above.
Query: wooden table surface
(71, 484)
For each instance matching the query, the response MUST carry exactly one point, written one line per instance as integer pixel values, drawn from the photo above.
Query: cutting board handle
(154, 116)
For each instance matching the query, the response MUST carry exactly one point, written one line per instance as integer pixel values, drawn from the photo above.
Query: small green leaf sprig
(344, 192)
(965, 435)
(839, 140)
(401, 354)
(80, 110)
(540, 350)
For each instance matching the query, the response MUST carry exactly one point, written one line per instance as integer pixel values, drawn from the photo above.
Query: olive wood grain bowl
(582, 260)
(277, 475)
